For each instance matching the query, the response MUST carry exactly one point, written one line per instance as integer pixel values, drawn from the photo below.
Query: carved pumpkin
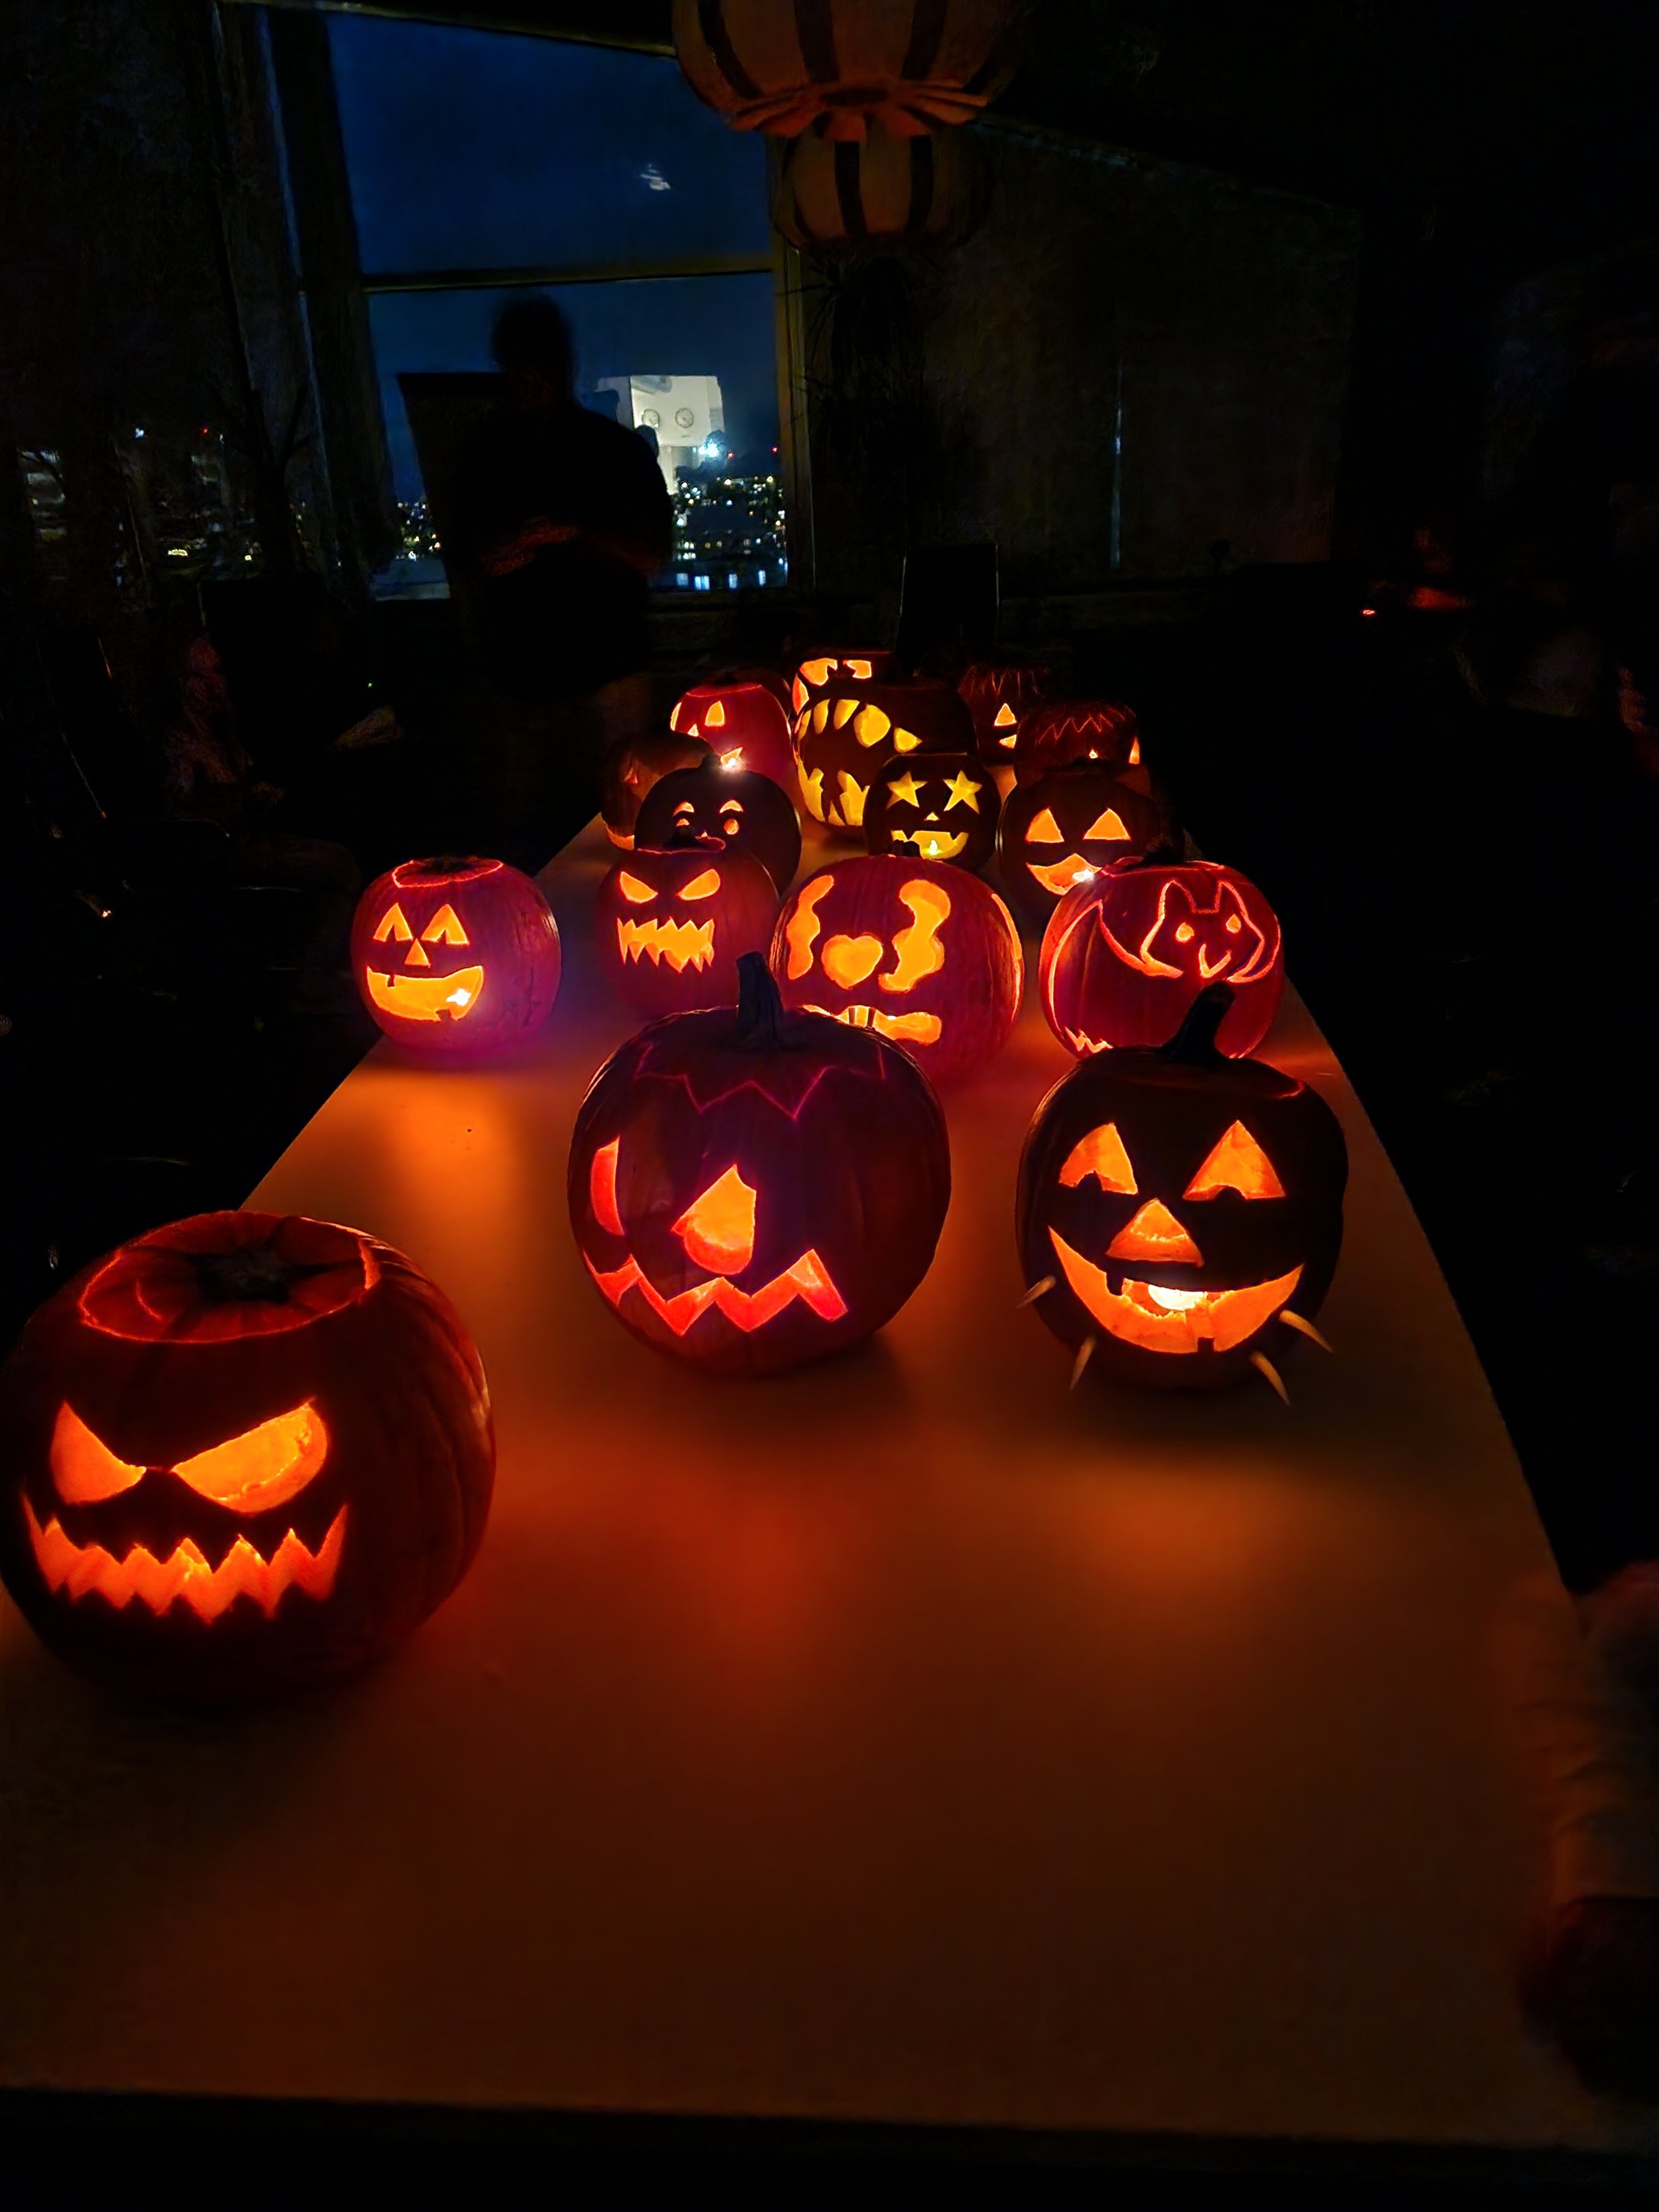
(243, 1453)
(847, 732)
(937, 807)
(631, 765)
(859, 664)
(747, 719)
(1078, 819)
(728, 808)
(455, 958)
(1180, 1213)
(751, 1190)
(670, 925)
(997, 693)
(1061, 730)
(1125, 955)
(838, 196)
(923, 953)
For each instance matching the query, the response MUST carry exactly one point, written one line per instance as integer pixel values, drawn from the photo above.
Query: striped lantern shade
(843, 65)
(839, 194)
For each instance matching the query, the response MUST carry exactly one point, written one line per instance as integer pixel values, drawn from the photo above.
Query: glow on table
(906, 1739)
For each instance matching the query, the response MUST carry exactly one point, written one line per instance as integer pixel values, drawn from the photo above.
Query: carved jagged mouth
(88, 1570)
(426, 998)
(933, 844)
(680, 945)
(1083, 1044)
(808, 1280)
(1161, 1320)
(1063, 875)
(905, 1029)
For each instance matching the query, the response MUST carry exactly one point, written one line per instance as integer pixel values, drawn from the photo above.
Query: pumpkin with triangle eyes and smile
(996, 694)
(672, 923)
(750, 1189)
(1069, 824)
(857, 665)
(924, 954)
(850, 730)
(243, 1453)
(1180, 1213)
(725, 806)
(1124, 956)
(1061, 730)
(735, 714)
(455, 958)
(629, 768)
(937, 807)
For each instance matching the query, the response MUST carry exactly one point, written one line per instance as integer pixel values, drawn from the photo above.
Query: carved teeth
(85, 1569)
(681, 944)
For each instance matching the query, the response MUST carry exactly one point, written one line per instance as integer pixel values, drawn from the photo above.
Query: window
(480, 162)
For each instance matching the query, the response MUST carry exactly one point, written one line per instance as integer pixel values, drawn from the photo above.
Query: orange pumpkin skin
(456, 958)
(996, 694)
(631, 765)
(671, 924)
(849, 732)
(1061, 730)
(148, 1538)
(747, 719)
(1125, 955)
(723, 807)
(923, 953)
(751, 1190)
(856, 664)
(942, 806)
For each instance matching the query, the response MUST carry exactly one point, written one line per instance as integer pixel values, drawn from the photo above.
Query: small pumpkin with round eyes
(936, 806)
(736, 715)
(1127, 953)
(629, 768)
(1180, 1213)
(724, 807)
(857, 665)
(849, 730)
(671, 924)
(924, 954)
(455, 958)
(1060, 729)
(997, 693)
(243, 1453)
(1072, 823)
(751, 1189)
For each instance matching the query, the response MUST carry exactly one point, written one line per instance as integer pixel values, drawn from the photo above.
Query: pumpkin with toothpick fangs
(1180, 1213)
(857, 665)
(671, 924)
(850, 730)
(750, 1189)
(243, 1453)
(455, 958)
(724, 807)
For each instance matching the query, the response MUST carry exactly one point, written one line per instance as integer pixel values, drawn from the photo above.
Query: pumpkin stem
(1194, 1041)
(761, 1025)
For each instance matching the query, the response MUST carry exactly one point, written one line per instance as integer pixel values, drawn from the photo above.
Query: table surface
(907, 1739)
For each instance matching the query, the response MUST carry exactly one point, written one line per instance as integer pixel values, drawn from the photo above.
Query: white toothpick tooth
(1297, 1321)
(1037, 1290)
(1264, 1366)
(1086, 1353)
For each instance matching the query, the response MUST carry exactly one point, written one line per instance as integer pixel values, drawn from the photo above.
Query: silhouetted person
(563, 518)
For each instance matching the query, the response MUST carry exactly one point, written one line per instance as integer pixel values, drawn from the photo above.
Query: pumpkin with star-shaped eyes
(242, 1453)
(725, 808)
(923, 953)
(1070, 823)
(1125, 955)
(750, 1189)
(1061, 730)
(857, 665)
(672, 923)
(1180, 1213)
(629, 768)
(456, 958)
(936, 806)
(747, 719)
(997, 693)
(851, 730)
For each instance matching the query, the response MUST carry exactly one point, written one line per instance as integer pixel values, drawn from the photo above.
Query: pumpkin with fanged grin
(243, 1453)
(725, 808)
(670, 925)
(939, 806)
(455, 958)
(1068, 826)
(859, 665)
(850, 730)
(1180, 1213)
(750, 1189)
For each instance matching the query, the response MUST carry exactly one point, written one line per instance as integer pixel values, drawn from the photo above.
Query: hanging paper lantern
(1180, 1213)
(631, 765)
(768, 67)
(933, 806)
(857, 665)
(724, 807)
(838, 195)
(924, 954)
(1060, 829)
(671, 925)
(750, 719)
(242, 1453)
(1061, 730)
(850, 730)
(1124, 956)
(997, 693)
(455, 958)
(750, 1189)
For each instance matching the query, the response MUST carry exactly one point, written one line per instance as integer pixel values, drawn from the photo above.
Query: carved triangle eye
(445, 928)
(1239, 1164)
(1108, 826)
(1100, 1154)
(392, 925)
(1045, 831)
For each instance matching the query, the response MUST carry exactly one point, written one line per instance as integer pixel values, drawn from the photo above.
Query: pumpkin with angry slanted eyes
(921, 952)
(997, 693)
(455, 958)
(937, 807)
(631, 766)
(1180, 1213)
(1061, 730)
(671, 924)
(724, 807)
(750, 1189)
(243, 1453)
(731, 715)
(860, 664)
(1071, 823)
(850, 730)
(1126, 954)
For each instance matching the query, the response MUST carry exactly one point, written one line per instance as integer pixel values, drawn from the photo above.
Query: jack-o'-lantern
(455, 958)
(750, 1190)
(1125, 955)
(725, 808)
(1061, 730)
(857, 665)
(997, 693)
(629, 768)
(850, 730)
(671, 922)
(1078, 819)
(1180, 1213)
(243, 1453)
(921, 952)
(743, 718)
(938, 807)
